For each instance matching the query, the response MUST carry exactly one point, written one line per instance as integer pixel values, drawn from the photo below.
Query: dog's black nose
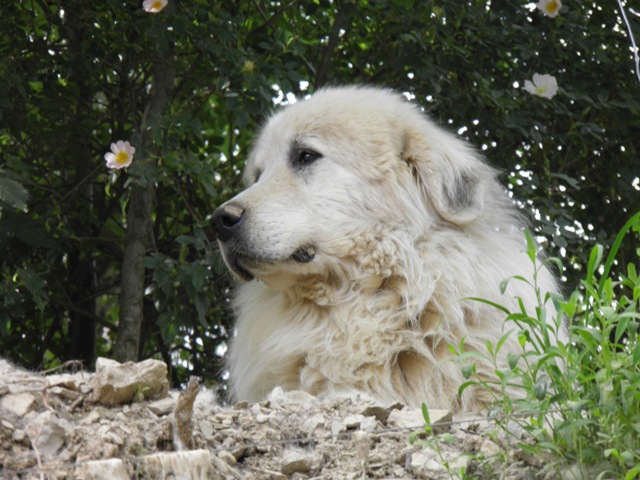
(226, 219)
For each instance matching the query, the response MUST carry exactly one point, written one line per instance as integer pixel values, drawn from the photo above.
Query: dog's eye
(256, 176)
(305, 157)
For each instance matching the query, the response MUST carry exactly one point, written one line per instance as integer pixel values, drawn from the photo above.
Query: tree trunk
(139, 226)
(132, 281)
(82, 267)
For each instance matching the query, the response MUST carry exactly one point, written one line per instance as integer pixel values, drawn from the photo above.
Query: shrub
(581, 398)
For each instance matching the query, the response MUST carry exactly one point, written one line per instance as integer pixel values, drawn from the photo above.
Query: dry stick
(68, 363)
(182, 414)
(77, 402)
(37, 453)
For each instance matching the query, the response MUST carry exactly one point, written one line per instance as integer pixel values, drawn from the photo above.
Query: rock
(313, 422)
(65, 393)
(337, 428)
(115, 383)
(163, 406)
(280, 398)
(206, 428)
(19, 436)
(369, 424)
(92, 417)
(425, 461)
(296, 461)
(18, 403)
(256, 409)
(381, 413)
(412, 418)
(362, 442)
(241, 405)
(353, 421)
(111, 469)
(114, 438)
(191, 464)
(48, 432)
(460, 463)
(5, 367)
(67, 380)
(227, 457)
(262, 418)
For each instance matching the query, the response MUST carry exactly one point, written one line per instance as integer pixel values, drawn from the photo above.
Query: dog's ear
(449, 173)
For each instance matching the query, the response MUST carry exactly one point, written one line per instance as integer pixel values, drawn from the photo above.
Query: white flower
(550, 8)
(120, 156)
(543, 85)
(154, 6)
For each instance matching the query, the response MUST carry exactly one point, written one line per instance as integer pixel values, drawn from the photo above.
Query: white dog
(361, 236)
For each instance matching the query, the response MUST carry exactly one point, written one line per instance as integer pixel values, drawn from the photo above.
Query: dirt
(58, 426)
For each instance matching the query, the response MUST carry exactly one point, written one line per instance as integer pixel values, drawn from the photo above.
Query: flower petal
(529, 87)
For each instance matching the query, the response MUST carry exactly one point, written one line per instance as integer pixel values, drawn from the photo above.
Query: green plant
(429, 438)
(580, 399)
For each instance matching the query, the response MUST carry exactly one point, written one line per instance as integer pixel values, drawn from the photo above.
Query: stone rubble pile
(118, 424)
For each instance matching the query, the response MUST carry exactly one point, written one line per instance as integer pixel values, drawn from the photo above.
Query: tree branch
(139, 222)
(325, 64)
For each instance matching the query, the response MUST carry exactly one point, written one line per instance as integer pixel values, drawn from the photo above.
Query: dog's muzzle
(227, 221)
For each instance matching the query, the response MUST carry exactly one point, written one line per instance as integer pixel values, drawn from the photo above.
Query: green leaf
(512, 360)
(488, 302)
(425, 414)
(541, 387)
(202, 304)
(468, 370)
(185, 239)
(532, 249)
(12, 193)
(503, 285)
(594, 260)
(633, 473)
(199, 276)
(36, 286)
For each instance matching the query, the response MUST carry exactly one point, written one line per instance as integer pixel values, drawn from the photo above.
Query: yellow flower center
(122, 158)
(552, 7)
(156, 5)
(248, 66)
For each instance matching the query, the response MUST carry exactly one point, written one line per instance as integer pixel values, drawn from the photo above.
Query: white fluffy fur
(407, 222)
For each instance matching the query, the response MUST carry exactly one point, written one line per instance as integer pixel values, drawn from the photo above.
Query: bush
(581, 398)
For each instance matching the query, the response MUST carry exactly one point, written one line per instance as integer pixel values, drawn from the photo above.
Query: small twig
(76, 402)
(66, 364)
(37, 453)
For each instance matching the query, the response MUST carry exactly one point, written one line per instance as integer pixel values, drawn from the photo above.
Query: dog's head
(325, 172)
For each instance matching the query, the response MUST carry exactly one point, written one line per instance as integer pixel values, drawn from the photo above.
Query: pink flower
(120, 156)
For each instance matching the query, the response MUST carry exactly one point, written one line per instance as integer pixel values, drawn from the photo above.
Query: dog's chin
(247, 267)
(237, 266)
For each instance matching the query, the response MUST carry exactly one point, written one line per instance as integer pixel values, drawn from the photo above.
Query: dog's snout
(226, 220)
